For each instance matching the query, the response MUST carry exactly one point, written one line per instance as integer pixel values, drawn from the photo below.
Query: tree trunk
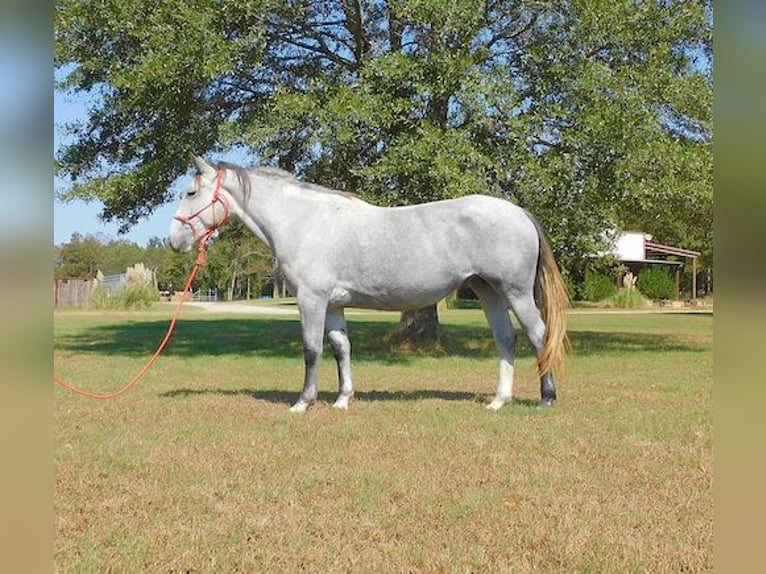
(275, 290)
(418, 330)
(230, 294)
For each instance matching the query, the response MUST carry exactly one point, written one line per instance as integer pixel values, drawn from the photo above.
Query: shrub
(129, 296)
(656, 283)
(627, 299)
(571, 287)
(138, 291)
(597, 287)
(101, 299)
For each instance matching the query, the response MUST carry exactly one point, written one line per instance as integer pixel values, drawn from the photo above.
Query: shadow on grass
(268, 337)
(288, 398)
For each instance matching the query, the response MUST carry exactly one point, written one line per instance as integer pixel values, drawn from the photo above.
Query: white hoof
(342, 403)
(497, 404)
(299, 407)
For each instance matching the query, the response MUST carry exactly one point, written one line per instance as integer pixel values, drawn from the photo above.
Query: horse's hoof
(341, 403)
(299, 407)
(546, 403)
(497, 404)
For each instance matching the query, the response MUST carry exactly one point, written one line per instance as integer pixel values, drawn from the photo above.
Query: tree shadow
(288, 398)
(600, 342)
(269, 337)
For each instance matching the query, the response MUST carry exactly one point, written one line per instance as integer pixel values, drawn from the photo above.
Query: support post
(694, 278)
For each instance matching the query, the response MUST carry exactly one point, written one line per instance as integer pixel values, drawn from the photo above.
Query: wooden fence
(72, 292)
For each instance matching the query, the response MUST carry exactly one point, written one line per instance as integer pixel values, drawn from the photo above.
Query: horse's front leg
(341, 348)
(313, 311)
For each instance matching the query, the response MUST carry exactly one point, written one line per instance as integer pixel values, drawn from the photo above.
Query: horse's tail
(553, 300)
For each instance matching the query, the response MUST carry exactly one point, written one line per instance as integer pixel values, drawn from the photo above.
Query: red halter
(191, 219)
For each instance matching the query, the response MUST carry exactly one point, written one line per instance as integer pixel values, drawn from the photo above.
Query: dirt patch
(243, 308)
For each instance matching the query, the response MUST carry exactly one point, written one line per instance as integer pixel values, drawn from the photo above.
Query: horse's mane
(243, 175)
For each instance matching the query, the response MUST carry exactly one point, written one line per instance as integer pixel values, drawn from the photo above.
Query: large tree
(591, 113)
(81, 257)
(238, 264)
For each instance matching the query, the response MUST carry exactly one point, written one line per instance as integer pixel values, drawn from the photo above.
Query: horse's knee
(311, 355)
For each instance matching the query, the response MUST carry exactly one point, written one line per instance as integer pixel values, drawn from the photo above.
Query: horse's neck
(253, 226)
(274, 210)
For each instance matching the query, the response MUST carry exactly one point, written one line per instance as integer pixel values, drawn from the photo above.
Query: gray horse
(338, 251)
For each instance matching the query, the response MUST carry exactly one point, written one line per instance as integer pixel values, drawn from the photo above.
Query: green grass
(201, 468)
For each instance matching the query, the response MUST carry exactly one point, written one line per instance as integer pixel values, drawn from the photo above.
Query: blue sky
(82, 217)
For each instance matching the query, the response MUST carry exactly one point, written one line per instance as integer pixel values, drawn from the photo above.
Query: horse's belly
(397, 294)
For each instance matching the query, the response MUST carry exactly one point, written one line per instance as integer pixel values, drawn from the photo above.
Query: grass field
(200, 468)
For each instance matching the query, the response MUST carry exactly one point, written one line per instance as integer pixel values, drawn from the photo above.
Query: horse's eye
(191, 193)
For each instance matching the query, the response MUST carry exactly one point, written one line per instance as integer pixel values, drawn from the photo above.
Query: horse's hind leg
(341, 348)
(496, 311)
(529, 316)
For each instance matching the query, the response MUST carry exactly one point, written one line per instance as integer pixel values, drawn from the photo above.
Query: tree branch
(395, 28)
(321, 49)
(354, 24)
(512, 35)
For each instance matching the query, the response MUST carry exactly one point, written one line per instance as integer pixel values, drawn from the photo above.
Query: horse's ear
(204, 167)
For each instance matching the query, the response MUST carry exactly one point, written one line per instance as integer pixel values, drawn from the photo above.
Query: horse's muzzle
(177, 234)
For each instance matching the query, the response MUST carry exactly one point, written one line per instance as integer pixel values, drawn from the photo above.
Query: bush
(656, 283)
(627, 299)
(130, 296)
(597, 287)
(571, 287)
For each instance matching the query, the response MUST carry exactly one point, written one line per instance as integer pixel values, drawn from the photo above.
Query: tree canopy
(593, 114)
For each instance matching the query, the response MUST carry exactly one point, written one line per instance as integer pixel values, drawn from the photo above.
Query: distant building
(113, 282)
(635, 250)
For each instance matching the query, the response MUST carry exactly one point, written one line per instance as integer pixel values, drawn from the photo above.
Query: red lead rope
(201, 260)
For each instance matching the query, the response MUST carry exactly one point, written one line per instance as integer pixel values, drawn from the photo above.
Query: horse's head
(204, 208)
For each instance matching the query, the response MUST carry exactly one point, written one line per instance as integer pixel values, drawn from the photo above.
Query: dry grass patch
(201, 468)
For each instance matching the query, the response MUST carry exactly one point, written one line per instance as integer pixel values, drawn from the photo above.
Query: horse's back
(479, 228)
(424, 251)
(500, 238)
